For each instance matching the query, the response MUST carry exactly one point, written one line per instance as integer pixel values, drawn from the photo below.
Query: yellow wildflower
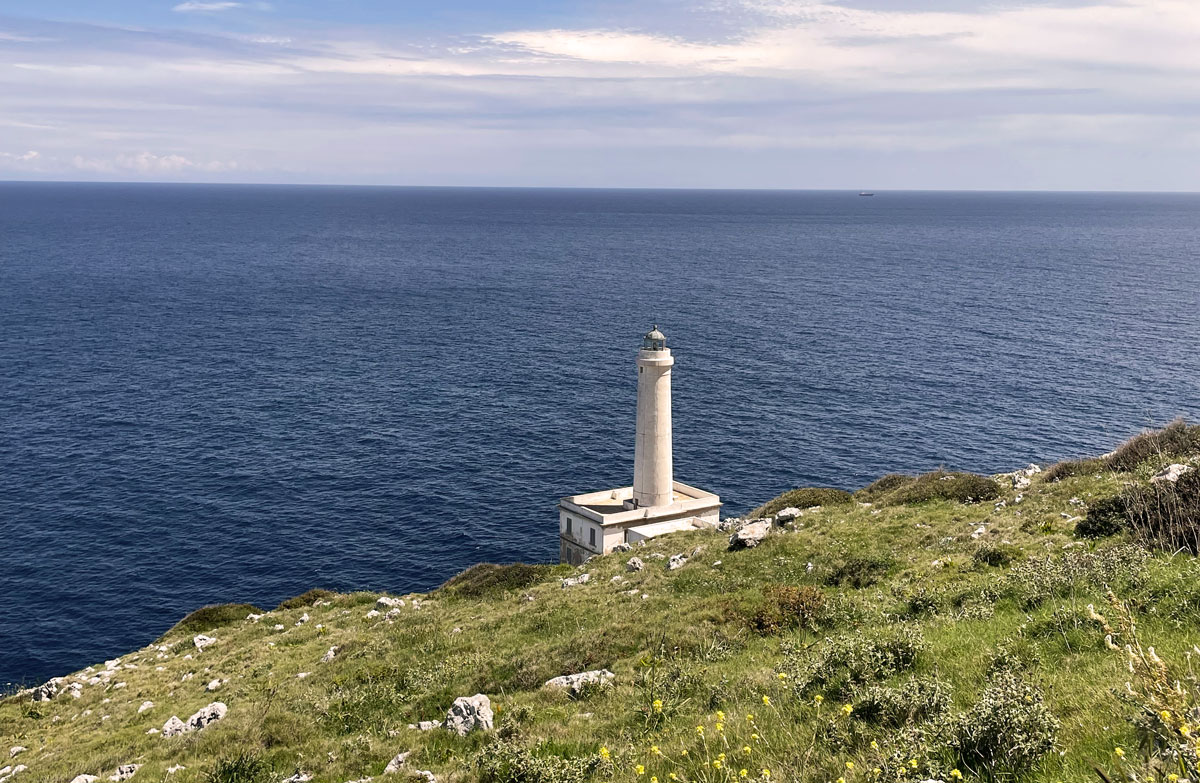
(818, 698)
(720, 728)
(641, 770)
(876, 771)
(716, 763)
(1185, 730)
(721, 756)
(654, 749)
(1120, 753)
(744, 773)
(781, 676)
(700, 730)
(658, 705)
(749, 717)
(841, 780)
(746, 749)
(847, 709)
(653, 779)
(767, 700)
(1165, 715)
(684, 751)
(874, 745)
(912, 763)
(754, 736)
(766, 773)
(954, 773)
(1172, 778)
(672, 776)
(604, 753)
(720, 715)
(850, 765)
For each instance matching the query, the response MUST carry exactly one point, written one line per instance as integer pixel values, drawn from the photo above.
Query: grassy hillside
(949, 627)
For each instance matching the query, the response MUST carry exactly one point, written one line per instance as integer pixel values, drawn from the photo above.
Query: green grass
(833, 606)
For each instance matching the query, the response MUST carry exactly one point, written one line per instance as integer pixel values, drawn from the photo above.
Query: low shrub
(1074, 467)
(1033, 581)
(914, 701)
(882, 486)
(490, 579)
(214, 616)
(1177, 439)
(1166, 515)
(1007, 732)
(240, 768)
(943, 485)
(849, 660)
(859, 571)
(507, 762)
(803, 498)
(996, 555)
(305, 599)
(784, 606)
(1104, 518)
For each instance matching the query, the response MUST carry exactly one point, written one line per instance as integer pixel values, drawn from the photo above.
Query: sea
(236, 393)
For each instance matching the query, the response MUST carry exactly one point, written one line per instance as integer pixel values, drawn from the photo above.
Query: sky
(857, 94)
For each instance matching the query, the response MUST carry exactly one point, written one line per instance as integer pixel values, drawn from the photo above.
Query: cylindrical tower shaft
(652, 468)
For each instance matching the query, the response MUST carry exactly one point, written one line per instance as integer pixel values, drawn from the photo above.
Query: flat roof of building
(608, 506)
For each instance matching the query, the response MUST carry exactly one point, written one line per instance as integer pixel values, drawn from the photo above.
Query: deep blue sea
(220, 393)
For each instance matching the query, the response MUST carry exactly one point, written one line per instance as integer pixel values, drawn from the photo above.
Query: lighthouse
(656, 504)
(652, 480)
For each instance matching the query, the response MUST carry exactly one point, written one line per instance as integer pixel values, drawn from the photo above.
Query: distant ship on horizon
(866, 193)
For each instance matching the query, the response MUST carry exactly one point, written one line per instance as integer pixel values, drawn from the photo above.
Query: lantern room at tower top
(595, 522)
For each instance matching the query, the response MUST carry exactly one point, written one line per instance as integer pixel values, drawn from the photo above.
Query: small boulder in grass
(124, 772)
(397, 762)
(470, 713)
(201, 641)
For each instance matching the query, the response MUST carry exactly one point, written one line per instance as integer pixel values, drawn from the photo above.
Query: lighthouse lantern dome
(654, 340)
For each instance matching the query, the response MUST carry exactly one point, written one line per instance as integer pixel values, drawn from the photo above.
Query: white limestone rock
(146, 705)
(206, 715)
(676, 562)
(174, 727)
(576, 682)
(572, 581)
(299, 777)
(15, 750)
(397, 762)
(371, 615)
(176, 768)
(84, 779)
(1171, 473)
(425, 725)
(635, 564)
(330, 654)
(750, 535)
(386, 602)
(212, 685)
(304, 618)
(201, 641)
(621, 547)
(787, 515)
(426, 776)
(124, 772)
(8, 773)
(469, 713)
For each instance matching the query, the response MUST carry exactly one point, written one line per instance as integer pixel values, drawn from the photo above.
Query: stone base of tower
(596, 522)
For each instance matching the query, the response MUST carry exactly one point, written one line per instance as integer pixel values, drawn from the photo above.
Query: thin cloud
(202, 7)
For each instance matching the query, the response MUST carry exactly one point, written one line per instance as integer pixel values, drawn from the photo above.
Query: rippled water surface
(214, 394)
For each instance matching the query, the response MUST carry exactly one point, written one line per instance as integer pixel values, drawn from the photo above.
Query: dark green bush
(305, 599)
(506, 762)
(859, 571)
(215, 616)
(943, 485)
(241, 768)
(490, 579)
(803, 498)
(882, 486)
(785, 606)
(1007, 732)
(1104, 518)
(996, 555)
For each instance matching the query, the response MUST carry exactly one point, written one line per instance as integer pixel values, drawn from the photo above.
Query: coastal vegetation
(1035, 626)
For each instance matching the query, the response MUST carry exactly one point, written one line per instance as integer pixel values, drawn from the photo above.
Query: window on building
(568, 524)
(592, 536)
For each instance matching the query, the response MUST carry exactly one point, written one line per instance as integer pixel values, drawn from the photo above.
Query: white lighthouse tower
(595, 522)
(652, 479)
